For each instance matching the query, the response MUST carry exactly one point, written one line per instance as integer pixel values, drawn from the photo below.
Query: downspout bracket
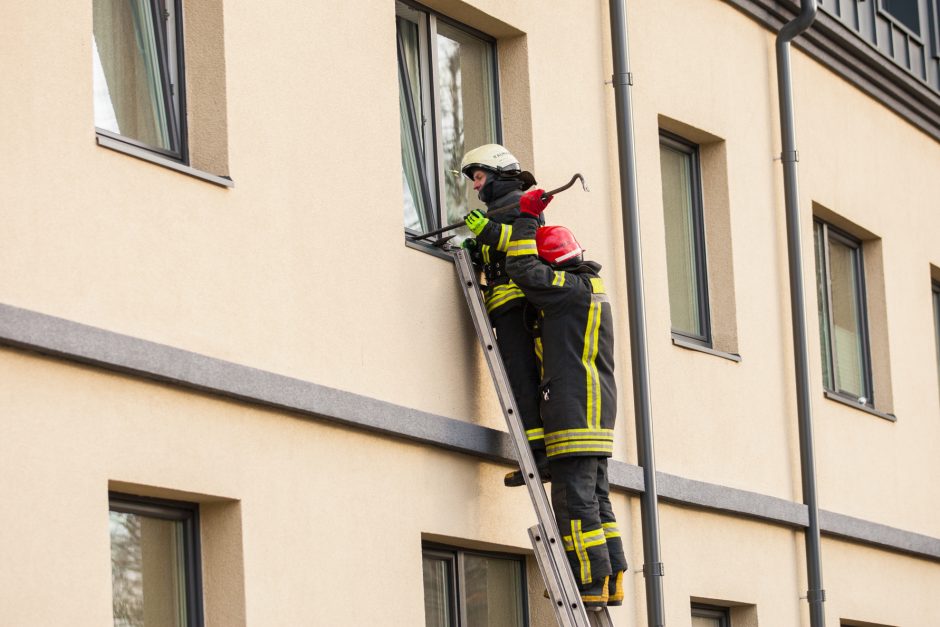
(656, 569)
(790, 156)
(625, 78)
(816, 595)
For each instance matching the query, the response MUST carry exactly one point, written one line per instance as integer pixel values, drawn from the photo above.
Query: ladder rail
(546, 540)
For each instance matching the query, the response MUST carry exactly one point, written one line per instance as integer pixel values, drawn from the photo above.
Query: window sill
(832, 396)
(427, 248)
(146, 155)
(689, 344)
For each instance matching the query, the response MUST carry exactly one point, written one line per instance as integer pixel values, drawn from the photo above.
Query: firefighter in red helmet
(578, 394)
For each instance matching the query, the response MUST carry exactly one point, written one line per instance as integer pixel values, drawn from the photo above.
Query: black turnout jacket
(578, 390)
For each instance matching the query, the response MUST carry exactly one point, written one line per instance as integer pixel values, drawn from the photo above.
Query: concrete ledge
(57, 337)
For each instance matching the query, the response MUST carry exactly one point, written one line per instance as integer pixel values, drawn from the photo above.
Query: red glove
(532, 203)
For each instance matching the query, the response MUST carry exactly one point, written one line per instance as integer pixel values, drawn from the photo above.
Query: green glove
(476, 221)
(469, 244)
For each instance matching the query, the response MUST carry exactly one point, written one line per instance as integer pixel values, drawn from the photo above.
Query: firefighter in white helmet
(499, 181)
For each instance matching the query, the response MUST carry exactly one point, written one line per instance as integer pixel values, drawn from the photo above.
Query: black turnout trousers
(517, 348)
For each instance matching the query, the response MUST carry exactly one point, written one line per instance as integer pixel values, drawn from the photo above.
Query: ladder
(549, 549)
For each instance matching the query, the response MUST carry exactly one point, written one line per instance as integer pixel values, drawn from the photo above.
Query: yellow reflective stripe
(596, 447)
(538, 357)
(522, 247)
(485, 251)
(580, 434)
(505, 232)
(498, 296)
(597, 286)
(589, 539)
(611, 530)
(535, 434)
(593, 538)
(581, 551)
(559, 279)
(588, 359)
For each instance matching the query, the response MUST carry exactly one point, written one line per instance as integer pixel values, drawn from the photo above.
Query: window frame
(173, 76)
(700, 610)
(457, 559)
(692, 150)
(935, 293)
(188, 515)
(831, 232)
(433, 172)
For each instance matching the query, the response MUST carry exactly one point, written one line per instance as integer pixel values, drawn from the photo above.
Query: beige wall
(301, 270)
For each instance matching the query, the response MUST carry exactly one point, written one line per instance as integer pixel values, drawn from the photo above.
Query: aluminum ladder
(549, 549)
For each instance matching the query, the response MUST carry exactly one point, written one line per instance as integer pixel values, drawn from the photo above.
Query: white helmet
(492, 157)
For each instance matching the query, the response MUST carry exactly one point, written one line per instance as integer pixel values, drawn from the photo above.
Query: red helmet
(557, 245)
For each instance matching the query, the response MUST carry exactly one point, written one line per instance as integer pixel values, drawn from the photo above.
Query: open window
(142, 106)
(138, 74)
(448, 102)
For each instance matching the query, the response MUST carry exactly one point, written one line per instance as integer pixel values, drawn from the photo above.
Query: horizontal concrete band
(49, 335)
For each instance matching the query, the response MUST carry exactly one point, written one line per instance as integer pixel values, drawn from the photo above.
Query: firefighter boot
(515, 478)
(615, 589)
(595, 595)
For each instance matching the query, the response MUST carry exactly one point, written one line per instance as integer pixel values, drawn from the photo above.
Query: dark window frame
(433, 190)
(456, 557)
(830, 232)
(691, 149)
(174, 93)
(700, 610)
(188, 515)
(935, 292)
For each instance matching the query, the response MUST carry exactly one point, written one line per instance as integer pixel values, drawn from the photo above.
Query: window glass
(447, 102)
(437, 592)
(684, 241)
(822, 296)
(134, 72)
(702, 621)
(465, 68)
(154, 564)
(846, 319)
(492, 589)
(904, 11)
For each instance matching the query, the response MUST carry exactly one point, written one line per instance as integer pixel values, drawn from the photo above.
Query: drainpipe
(816, 596)
(649, 506)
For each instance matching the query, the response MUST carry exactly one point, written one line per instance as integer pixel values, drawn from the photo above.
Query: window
(138, 74)
(905, 12)
(710, 616)
(473, 589)
(685, 238)
(843, 328)
(448, 104)
(155, 562)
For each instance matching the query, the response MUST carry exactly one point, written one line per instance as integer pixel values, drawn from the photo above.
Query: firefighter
(578, 394)
(499, 181)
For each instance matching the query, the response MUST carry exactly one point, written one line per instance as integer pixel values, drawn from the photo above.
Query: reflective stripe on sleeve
(522, 247)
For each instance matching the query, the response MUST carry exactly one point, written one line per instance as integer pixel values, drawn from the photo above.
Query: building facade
(234, 390)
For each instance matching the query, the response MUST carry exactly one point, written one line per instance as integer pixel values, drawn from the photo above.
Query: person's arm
(489, 232)
(542, 285)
